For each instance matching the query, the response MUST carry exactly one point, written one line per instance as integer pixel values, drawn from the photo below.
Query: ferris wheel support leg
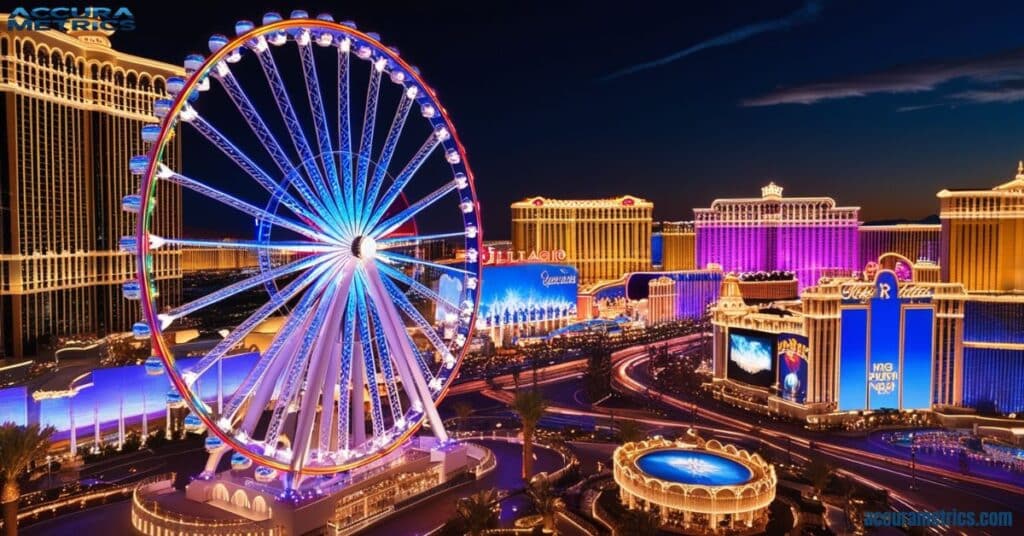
(327, 403)
(358, 410)
(318, 368)
(263, 393)
(404, 358)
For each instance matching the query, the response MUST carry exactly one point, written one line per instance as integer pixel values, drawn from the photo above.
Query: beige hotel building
(602, 238)
(72, 109)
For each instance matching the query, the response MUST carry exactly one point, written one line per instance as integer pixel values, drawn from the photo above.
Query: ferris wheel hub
(364, 248)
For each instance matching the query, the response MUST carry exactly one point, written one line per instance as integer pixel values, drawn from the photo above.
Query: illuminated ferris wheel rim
(148, 190)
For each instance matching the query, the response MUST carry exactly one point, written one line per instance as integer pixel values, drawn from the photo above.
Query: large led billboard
(885, 346)
(527, 292)
(751, 357)
(792, 366)
(107, 393)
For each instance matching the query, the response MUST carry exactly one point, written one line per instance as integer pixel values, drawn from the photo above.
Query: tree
(19, 447)
(463, 410)
(639, 523)
(597, 381)
(478, 512)
(530, 406)
(630, 431)
(545, 501)
(819, 473)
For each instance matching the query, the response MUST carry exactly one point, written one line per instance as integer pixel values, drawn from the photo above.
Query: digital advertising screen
(853, 357)
(792, 355)
(884, 366)
(886, 349)
(751, 357)
(917, 357)
(527, 292)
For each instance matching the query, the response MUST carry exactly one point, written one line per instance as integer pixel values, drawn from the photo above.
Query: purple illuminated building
(805, 235)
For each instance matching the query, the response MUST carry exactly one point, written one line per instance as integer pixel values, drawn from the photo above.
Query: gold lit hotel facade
(602, 238)
(72, 109)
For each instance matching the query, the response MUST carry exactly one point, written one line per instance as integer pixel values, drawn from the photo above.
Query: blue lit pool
(694, 467)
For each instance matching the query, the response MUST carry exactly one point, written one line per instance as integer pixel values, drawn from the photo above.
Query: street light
(913, 462)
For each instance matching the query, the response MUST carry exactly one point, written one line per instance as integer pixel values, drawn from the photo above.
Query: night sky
(879, 104)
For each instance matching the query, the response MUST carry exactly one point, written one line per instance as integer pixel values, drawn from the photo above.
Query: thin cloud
(914, 78)
(807, 13)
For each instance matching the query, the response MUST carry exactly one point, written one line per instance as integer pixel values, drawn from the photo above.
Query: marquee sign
(494, 256)
(885, 357)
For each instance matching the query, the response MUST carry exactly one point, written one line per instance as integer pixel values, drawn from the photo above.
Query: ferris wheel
(345, 212)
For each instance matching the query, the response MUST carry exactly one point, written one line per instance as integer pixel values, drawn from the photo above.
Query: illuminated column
(96, 428)
(71, 420)
(167, 424)
(145, 419)
(220, 386)
(120, 423)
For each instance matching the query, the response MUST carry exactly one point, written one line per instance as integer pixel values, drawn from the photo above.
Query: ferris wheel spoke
(300, 368)
(242, 206)
(346, 391)
(385, 364)
(417, 287)
(369, 367)
(406, 241)
(292, 246)
(242, 330)
(294, 127)
(261, 393)
(243, 285)
(319, 369)
(323, 135)
(393, 324)
(255, 121)
(390, 143)
(366, 140)
(398, 257)
(402, 302)
(391, 224)
(403, 178)
(345, 123)
(232, 151)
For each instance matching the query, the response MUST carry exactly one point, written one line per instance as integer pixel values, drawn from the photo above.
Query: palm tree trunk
(527, 452)
(10, 503)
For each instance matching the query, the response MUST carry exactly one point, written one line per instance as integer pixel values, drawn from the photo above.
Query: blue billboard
(917, 357)
(886, 346)
(853, 354)
(528, 292)
(792, 355)
(884, 365)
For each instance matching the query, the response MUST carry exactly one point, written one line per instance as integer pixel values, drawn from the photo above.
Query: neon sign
(492, 256)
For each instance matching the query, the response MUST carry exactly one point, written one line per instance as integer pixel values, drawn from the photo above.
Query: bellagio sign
(492, 256)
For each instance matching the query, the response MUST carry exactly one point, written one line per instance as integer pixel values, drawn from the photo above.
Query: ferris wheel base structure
(322, 504)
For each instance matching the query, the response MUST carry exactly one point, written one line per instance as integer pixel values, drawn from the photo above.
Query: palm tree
(545, 501)
(819, 473)
(478, 512)
(530, 406)
(19, 447)
(630, 431)
(463, 410)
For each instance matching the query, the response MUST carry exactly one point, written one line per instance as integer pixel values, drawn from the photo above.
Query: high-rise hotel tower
(602, 238)
(983, 248)
(806, 235)
(71, 110)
